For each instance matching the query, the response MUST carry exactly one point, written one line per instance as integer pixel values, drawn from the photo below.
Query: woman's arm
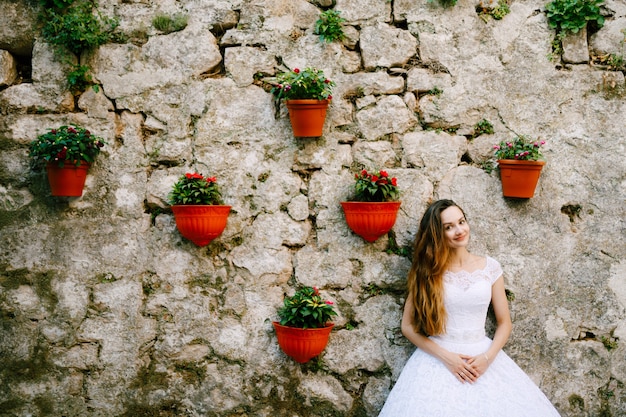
(503, 318)
(503, 330)
(456, 363)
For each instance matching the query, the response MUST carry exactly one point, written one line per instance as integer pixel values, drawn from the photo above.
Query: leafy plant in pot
(307, 94)
(67, 152)
(374, 208)
(198, 209)
(520, 165)
(304, 325)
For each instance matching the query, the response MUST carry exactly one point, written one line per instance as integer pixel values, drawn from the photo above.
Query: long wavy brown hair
(425, 280)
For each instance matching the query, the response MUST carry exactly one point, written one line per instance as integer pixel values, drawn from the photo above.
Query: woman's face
(456, 230)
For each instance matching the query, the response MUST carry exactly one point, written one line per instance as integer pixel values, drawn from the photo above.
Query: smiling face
(456, 230)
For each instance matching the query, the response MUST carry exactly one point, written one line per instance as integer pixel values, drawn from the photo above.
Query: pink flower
(496, 147)
(330, 303)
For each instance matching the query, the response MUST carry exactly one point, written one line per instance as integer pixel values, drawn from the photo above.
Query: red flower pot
(519, 178)
(307, 117)
(201, 223)
(302, 344)
(69, 180)
(370, 220)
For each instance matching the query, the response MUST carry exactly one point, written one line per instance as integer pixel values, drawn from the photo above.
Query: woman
(457, 370)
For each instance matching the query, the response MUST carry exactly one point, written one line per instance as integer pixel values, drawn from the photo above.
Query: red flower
(296, 70)
(374, 178)
(316, 291)
(211, 179)
(394, 182)
(384, 174)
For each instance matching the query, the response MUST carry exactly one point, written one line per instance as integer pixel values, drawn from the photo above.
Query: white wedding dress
(426, 388)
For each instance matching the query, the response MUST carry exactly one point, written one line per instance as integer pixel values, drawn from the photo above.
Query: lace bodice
(466, 297)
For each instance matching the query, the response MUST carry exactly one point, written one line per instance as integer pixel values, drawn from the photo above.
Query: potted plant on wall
(67, 153)
(198, 209)
(374, 209)
(520, 166)
(307, 94)
(304, 325)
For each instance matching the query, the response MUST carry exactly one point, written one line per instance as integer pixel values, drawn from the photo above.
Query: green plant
(435, 91)
(76, 27)
(573, 15)
(193, 188)
(521, 148)
(498, 12)
(310, 83)
(167, 24)
(328, 26)
(484, 127)
(445, 3)
(609, 343)
(66, 143)
(375, 187)
(80, 78)
(306, 309)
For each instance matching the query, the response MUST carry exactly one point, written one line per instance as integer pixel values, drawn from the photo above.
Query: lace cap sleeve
(494, 270)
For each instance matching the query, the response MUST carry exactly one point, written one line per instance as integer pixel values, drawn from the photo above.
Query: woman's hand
(479, 363)
(461, 367)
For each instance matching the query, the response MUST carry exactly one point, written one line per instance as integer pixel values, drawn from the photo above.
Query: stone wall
(107, 311)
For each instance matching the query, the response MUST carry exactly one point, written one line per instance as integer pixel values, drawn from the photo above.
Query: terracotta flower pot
(302, 344)
(307, 117)
(201, 223)
(519, 178)
(370, 220)
(69, 180)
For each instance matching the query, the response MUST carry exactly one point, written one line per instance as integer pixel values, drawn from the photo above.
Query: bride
(456, 370)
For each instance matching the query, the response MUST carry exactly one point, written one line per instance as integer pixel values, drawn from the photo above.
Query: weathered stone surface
(244, 62)
(388, 115)
(610, 38)
(113, 312)
(17, 26)
(576, 48)
(434, 152)
(8, 68)
(385, 46)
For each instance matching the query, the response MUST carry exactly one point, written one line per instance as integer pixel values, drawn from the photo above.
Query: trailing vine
(75, 26)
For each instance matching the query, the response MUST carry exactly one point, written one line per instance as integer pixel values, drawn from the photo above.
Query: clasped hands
(466, 368)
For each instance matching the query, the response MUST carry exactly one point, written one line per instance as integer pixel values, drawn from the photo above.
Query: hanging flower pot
(370, 220)
(201, 224)
(59, 150)
(520, 165)
(519, 178)
(198, 208)
(302, 344)
(307, 117)
(307, 93)
(68, 180)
